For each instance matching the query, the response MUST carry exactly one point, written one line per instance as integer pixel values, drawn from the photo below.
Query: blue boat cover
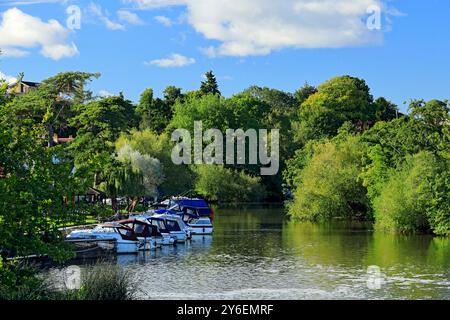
(194, 203)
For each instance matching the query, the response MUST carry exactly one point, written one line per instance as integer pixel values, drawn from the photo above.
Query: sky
(400, 47)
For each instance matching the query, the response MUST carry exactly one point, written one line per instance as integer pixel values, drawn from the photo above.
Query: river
(260, 254)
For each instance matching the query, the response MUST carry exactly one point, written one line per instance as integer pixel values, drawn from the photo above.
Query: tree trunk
(115, 207)
(51, 132)
(133, 204)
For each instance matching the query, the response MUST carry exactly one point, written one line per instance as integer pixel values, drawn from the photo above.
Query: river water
(260, 254)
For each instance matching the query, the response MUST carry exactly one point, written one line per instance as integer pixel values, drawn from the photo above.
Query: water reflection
(256, 253)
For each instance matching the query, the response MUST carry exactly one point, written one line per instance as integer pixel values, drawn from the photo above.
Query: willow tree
(140, 177)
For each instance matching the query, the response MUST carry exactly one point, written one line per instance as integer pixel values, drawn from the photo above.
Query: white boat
(124, 238)
(148, 233)
(173, 225)
(201, 226)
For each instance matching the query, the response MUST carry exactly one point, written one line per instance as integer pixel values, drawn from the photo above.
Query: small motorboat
(123, 237)
(201, 226)
(170, 224)
(148, 233)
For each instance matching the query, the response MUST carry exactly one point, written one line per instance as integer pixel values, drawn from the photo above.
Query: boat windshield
(101, 229)
(158, 223)
(172, 225)
(175, 207)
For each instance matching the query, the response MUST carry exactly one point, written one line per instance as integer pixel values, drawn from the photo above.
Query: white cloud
(28, 2)
(6, 78)
(20, 31)
(15, 53)
(105, 94)
(164, 20)
(97, 11)
(259, 27)
(173, 61)
(129, 17)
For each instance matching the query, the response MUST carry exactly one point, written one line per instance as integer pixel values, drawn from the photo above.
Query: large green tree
(156, 113)
(99, 124)
(337, 101)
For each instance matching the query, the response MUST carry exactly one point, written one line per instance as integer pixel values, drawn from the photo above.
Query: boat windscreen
(172, 225)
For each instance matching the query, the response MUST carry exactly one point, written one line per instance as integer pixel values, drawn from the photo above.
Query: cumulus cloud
(20, 31)
(105, 94)
(173, 61)
(258, 27)
(165, 21)
(130, 17)
(6, 78)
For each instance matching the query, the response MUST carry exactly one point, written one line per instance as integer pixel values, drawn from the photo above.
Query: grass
(100, 282)
(105, 281)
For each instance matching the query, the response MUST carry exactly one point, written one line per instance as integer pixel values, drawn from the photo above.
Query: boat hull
(202, 230)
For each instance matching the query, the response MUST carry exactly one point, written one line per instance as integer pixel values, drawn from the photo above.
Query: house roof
(95, 192)
(31, 84)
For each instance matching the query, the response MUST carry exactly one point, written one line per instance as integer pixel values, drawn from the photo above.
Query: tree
(172, 94)
(403, 200)
(99, 124)
(177, 178)
(155, 114)
(35, 200)
(217, 183)
(210, 86)
(53, 103)
(329, 186)
(302, 94)
(143, 175)
(337, 101)
(385, 110)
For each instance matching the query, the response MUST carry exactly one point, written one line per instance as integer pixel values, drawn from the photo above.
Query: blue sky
(132, 43)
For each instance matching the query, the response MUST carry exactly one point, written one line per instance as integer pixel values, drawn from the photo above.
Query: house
(92, 196)
(57, 140)
(24, 87)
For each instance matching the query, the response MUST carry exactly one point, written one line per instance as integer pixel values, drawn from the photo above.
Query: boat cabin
(142, 229)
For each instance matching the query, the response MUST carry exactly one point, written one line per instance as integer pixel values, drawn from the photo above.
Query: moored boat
(148, 233)
(123, 237)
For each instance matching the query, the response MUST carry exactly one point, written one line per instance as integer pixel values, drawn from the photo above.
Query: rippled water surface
(259, 254)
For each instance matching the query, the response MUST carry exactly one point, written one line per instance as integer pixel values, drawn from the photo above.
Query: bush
(18, 281)
(217, 183)
(415, 199)
(105, 282)
(329, 186)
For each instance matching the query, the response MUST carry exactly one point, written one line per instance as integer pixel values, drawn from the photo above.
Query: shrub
(105, 281)
(217, 183)
(413, 199)
(329, 186)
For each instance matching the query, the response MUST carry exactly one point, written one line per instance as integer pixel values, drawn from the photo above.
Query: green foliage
(155, 114)
(105, 282)
(148, 171)
(172, 94)
(209, 86)
(302, 94)
(385, 110)
(403, 201)
(217, 183)
(337, 101)
(376, 172)
(53, 104)
(99, 125)
(19, 282)
(329, 185)
(178, 179)
(32, 202)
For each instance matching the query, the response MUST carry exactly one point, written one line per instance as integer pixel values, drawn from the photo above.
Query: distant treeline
(344, 154)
